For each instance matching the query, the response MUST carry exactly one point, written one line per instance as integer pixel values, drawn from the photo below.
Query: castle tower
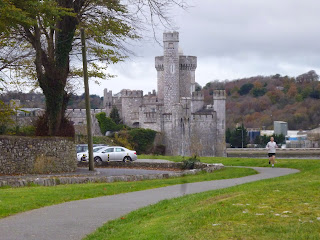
(160, 76)
(187, 65)
(219, 106)
(171, 86)
(107, 101)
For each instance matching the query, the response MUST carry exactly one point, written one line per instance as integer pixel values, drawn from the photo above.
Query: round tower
(159, 67)
(171, 93)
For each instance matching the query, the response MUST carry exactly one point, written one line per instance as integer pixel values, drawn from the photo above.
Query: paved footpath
(74, 220)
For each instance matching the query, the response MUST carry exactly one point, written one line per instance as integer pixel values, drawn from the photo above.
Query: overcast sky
(232, 39)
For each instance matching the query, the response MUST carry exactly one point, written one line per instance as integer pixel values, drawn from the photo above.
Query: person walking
(271, 146)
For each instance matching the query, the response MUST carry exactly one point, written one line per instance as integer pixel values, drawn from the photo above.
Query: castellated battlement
(167, 117)
(131, 93)
(171, 36)
(82, 112)
(202, 117)
(197, 95)
(219, 95)
(159, 63)
(188, 63)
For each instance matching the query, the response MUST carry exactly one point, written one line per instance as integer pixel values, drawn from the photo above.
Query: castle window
(172, 68)
(170, 46)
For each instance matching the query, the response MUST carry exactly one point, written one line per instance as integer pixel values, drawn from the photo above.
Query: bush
(22, 131)
(106, 123)
(123, 139)
(142, 139)
(114, 115)
(190, 162)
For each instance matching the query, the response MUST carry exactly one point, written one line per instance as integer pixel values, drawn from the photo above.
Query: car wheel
(127, 159)
(98, 160)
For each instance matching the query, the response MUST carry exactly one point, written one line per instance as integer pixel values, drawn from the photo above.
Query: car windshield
(96, 149)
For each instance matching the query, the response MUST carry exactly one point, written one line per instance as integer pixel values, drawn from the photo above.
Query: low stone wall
(36, 155)
(95, 178)
(153, 165)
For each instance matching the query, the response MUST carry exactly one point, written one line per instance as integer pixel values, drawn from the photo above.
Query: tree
(114, 115)
(310, 76)
(245, 88)
(238, 137)
(40, 40)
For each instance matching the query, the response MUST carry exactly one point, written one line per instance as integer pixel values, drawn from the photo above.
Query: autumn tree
(40, 41)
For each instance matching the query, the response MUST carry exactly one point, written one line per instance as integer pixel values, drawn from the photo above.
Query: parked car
(84, 147)
(83, 156)
(114, 153)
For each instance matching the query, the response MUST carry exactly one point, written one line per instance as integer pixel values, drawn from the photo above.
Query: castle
(177, 111)
(186, 125)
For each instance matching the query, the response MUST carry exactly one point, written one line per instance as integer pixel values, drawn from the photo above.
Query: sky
(232, 39)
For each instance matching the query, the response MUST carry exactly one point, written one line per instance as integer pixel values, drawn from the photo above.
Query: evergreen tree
(114, 115)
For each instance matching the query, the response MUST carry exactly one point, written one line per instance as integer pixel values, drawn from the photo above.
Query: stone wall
(30, 155)
(96, 177)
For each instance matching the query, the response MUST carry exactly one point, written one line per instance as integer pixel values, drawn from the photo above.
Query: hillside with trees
(258, 101)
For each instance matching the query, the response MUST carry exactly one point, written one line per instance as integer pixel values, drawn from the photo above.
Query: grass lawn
(281, 208)
(15, 200)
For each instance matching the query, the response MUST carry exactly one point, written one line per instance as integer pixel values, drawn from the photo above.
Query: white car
(83, 156)
(114, 153)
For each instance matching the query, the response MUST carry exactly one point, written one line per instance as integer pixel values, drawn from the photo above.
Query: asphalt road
(74, 220)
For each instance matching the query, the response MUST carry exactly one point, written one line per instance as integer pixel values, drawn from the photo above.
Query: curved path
(74, 220)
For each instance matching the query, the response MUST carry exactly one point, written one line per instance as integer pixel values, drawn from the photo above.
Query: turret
(219, 106)
(171, 85)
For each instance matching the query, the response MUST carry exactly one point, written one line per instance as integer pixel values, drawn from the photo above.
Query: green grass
(16, 200)
(281, 208)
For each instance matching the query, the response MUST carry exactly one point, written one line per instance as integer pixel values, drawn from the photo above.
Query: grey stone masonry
(188, 127)
(95, 177)
(29, 155)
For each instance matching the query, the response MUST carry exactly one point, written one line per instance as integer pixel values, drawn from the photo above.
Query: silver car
(83, 156)
(115, 153)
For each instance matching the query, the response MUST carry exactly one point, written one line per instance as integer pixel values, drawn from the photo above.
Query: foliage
(245, 88)
(228, 135)
(21, 131)
(238, 137)
(106, 123)
(142, 139)
(114, 115)
(263, 140)
(6, 113)
(66, 129)
(284, 98)
(38, 39)
(190, 162)
(123, 138)
(258, 92)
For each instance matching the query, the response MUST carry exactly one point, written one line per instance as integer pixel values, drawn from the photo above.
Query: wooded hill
(258, 101)
(255, 101)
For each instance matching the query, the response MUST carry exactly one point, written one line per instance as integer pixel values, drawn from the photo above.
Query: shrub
(22, 131)
(190, 162)
(106, 123)
(123, 139)
(114, 115)
(142, 139)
